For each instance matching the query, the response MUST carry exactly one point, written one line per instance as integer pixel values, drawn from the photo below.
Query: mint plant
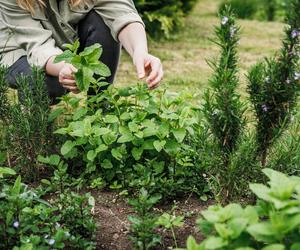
(272, 224)
(134, 139)
(90, 69)
(273, 86)
(142, 226)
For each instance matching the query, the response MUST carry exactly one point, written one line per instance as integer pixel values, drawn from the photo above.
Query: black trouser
(91, 30)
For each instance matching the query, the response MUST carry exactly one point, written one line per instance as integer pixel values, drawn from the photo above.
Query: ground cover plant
(29, 222)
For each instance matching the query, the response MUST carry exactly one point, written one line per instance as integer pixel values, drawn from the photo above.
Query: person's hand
(148, 67)
(66, 78)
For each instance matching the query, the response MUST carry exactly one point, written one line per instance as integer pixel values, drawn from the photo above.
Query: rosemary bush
(28, 132)
(274, 86)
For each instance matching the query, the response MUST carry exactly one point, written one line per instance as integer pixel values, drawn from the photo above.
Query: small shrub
(27, 130)
(273, 86)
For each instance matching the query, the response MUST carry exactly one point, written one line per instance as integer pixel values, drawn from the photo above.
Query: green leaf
(66, 56)
(137, 153)
(6, 171)
(94, 51)
(172, 147)
(106, 164)
(192, 244)
(111, 119)
(100, 131)
(126, 135)
(179, 134)
(91, 155)
(215, 243)
(15, 191)
(52, 160)
(159, 145)
(55, 113)
(79, 113)
(109, 138)
(101, 148)
(67, 147)
(116, 153)
(83, 77)
(274, 247)
(100, 69)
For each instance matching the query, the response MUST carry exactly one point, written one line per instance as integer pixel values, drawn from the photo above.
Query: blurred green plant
(162, 18)
(272, 224)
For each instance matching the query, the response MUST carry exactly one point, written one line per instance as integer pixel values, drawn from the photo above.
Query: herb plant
(28, 132)
(90, 70)
(29, 222)
(272, 224)
(130, 137)
(273, 86)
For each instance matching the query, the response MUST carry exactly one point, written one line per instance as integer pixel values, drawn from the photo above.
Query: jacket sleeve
(117, 14)
(28, 33)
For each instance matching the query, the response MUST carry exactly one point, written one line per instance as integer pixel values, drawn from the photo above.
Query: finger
(155, 68)
(140, 68)
(72, 89)
(67, 75)
(68, 82)
(157, 80)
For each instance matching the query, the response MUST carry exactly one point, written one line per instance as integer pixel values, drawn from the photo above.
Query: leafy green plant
(130, 137)
(272, 224)
(142, 226)
(273, 86)
(170, 222)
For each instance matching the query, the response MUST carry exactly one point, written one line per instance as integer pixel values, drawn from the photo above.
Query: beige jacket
(34, 35)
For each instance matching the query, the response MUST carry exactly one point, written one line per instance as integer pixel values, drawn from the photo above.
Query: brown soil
(111, 212)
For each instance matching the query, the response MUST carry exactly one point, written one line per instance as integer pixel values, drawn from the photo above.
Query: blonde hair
(30, 5)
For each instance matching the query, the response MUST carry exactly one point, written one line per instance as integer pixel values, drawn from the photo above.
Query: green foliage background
(164, 17)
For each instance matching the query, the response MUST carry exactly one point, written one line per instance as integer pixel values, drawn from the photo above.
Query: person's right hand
(67, 79)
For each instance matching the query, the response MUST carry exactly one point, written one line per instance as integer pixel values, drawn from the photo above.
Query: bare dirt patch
(111, 214)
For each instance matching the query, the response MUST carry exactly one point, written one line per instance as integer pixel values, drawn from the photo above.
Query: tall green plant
(223, 108)
(28, 130)
(273, 86)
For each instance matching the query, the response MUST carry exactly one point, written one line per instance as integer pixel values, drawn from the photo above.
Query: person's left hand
(150, 67)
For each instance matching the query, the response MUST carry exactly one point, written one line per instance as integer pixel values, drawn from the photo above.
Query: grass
(184, 57)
